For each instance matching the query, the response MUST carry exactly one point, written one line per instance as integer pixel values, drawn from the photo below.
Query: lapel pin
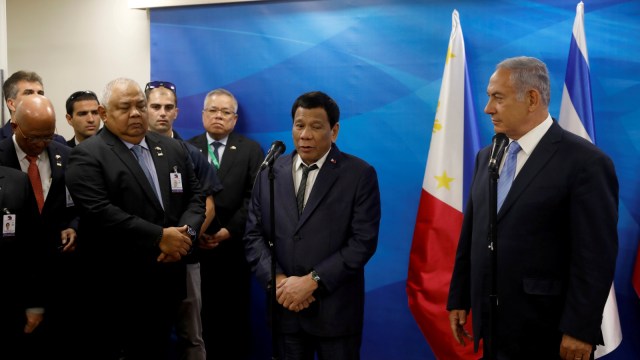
(333, 161)
(159, 151)
(233, 147)
(58, 160)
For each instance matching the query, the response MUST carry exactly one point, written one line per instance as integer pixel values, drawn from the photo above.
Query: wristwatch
(192, 233)
(314, 276)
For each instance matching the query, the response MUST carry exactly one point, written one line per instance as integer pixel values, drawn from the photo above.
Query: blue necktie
(137, 151)
(508, 172)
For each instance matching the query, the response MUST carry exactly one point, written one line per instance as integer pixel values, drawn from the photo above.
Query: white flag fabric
(576, 115)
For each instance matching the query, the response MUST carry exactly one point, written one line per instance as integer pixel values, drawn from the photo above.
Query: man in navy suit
(34, 127)
(82, 115)
(140, 207)
(223, 267)
(556, 230)
(326, 230)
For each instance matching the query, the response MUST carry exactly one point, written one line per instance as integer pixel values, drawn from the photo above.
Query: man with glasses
(19, 84)
(32, 150)
(226, 277)
(162, 107)
(82, 115)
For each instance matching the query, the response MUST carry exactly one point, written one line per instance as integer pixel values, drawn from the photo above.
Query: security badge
(176, 180)
(8, 223)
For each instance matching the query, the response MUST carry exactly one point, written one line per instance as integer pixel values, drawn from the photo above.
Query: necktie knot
(514, 148)
(137, 151)
(32, 159)
(36, 183)
(215, 159)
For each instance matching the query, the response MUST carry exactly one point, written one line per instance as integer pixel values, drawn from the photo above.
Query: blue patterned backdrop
(382, 60)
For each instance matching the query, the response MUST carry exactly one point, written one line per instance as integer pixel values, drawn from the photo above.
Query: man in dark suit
(140, 205)
(19, 84)
(556, 230)
(321, 247)
(223, 267)
(34, 125)
(21, 273)
(82, 115)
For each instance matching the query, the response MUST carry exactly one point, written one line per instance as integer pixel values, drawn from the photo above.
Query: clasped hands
(295, 293)
(174, 244)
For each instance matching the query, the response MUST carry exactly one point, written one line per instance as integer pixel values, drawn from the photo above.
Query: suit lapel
(128, 159)
(327, 176)
(541, 155)
(230, 155)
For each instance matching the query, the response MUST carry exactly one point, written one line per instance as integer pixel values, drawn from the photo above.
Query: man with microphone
(225, 274)
(327, 217)
(557, 212)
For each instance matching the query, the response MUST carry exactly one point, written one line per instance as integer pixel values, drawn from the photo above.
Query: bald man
(32, 150)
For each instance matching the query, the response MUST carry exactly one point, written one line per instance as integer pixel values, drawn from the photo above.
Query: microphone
(499, 144)
(277, 148)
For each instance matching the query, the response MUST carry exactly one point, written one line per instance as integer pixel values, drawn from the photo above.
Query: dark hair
(317, 99)
(10, 86)
(80, 96)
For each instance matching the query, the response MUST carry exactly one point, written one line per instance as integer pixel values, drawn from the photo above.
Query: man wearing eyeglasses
(32, 150)
(19, 84)
(162, 107)
(226, 277)
(82, 115)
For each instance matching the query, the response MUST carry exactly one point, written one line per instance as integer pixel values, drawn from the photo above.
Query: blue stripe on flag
(578, 85)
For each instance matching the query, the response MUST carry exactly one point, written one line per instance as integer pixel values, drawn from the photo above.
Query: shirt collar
(530, 140)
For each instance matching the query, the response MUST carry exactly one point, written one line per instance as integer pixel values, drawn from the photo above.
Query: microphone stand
(273, 303)
(493, 247)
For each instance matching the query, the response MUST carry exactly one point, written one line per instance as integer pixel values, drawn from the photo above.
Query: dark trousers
(303, 346)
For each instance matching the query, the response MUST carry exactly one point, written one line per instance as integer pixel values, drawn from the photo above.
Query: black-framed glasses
(224, 112)
(82, 93)
(156, 84)
(35, 140)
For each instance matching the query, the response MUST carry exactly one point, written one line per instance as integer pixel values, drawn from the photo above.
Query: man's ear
(102, 111)
(534, 99)
(11, 104)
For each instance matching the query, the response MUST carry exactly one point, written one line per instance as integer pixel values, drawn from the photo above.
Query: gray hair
(108, 89)
(221, 91)
(528, 73)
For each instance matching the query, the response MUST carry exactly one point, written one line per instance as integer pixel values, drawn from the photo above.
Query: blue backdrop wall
(382, 60)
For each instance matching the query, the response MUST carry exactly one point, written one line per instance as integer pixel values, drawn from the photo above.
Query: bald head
(34, 124)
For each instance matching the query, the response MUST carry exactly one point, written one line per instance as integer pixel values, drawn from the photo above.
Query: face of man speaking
(126, 113)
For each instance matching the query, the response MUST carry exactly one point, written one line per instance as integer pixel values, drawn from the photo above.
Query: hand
(457, 319)
(208, 242)
(33, 320)
(174, 244)
(295, 293)
(68, 237)
(574, 349)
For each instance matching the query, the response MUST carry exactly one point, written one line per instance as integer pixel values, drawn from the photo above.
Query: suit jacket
(21, 285)
(122, 220)
(336, 235)
(58, 213)
(556, 247)
(71, 142)
(240, 162)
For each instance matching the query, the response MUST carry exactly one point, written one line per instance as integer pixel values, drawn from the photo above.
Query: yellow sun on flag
(450, 55)
(437, 126)
(444, 180)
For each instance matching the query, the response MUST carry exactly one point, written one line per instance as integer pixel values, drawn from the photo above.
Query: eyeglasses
(214, 110)
(87, 93)
(36, 140)
(156, 84)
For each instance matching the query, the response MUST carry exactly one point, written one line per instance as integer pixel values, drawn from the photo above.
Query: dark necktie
(508, 172)
(303, 185)
(137, 151)
(36, 183)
